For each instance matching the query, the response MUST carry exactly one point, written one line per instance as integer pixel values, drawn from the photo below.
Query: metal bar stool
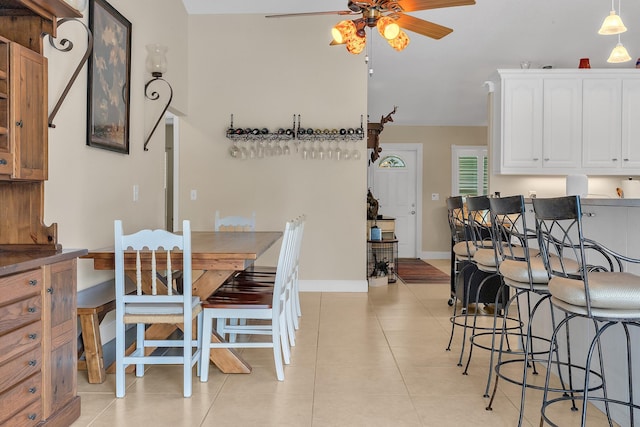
(599, 291)
(523, 271)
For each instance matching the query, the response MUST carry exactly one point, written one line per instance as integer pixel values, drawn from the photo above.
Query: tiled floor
(361, 359)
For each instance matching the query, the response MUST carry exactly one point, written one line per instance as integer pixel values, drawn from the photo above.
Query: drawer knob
(32, 416)
(3, 161)
(33, 282)
(19, 123)
(50, 290)
(33, 362)
(33, 336)
(31, 309)
(32, 390)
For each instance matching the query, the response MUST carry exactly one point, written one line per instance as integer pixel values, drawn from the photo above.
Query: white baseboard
(333, 286)
(435, 255)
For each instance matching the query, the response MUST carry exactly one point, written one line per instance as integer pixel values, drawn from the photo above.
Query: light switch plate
(435, 196)
(194, 194)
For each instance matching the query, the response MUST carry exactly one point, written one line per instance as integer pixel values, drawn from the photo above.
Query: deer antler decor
(373, 134)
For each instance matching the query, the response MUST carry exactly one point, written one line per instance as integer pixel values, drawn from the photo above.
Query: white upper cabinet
(562, 132)
(522, 123)
(559, 122)
(631, 124)
(601, 123)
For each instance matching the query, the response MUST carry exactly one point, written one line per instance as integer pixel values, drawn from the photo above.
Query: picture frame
(109, 76)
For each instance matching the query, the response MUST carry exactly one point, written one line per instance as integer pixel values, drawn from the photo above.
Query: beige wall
(265, 76)
(436, 174)
(261, 70)
(88, 188)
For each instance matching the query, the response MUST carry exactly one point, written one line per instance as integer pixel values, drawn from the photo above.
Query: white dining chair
(156, 255)
(234, 222)
(263, 306)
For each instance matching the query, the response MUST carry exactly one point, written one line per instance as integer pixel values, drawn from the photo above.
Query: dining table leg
(204, 285)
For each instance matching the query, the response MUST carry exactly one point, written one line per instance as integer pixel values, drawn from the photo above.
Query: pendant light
(619, 54)
(613, 23)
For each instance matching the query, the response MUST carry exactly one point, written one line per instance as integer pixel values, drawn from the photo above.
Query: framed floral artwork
(108, 88)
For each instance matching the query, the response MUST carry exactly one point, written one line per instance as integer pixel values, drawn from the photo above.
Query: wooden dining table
(215, 257)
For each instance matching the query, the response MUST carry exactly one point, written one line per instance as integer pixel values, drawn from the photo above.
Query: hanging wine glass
(234, 151)
(330, 150)
(252, 150)
(338, 152)
(286, 150)
(346, 154)
(312, 151)
(355, 153)
(260, 149)
(320, 150)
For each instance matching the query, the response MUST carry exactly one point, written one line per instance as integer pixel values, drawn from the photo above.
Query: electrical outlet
(435, 196)
(194, 194)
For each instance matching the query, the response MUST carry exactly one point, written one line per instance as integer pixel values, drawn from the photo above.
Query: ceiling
(440, 82)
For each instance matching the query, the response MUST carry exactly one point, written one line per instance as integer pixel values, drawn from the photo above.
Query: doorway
(395, 179)
(171, 162)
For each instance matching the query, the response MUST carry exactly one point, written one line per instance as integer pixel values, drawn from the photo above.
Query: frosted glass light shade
(400, 42)
(612, 25)
(388, 28)
(355, 44)
(343, 31)
(619, 54)
(156, 62)
(79, 5)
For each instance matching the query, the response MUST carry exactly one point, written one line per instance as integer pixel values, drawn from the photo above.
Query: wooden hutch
(37, 277)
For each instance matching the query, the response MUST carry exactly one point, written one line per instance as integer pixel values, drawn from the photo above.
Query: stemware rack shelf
(296, 132)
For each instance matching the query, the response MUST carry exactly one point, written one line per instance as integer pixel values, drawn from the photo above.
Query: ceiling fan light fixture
(356, 44)
(612, 25)
(343, 31)
(619, 54)
(400, 42)
(388, 28)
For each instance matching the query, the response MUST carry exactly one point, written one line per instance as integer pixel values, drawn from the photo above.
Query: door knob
(413, 212)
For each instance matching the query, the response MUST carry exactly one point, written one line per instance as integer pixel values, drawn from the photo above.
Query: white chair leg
(207, 325)
(140, 328)
(187, 351)
(120, 347)
(278, 353)
(284, 339)
(198, 344)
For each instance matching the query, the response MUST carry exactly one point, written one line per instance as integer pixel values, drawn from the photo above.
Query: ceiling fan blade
(420, 26)
(333, 12)
(413, 5)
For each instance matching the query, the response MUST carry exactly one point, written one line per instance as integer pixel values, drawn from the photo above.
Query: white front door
(395, 185)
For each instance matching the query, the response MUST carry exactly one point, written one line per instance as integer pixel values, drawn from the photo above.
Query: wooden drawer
(21, 367)
(20, 396)
(19, 286)
(6, 159)
(19, 313)
(20, 340)
(28, 417)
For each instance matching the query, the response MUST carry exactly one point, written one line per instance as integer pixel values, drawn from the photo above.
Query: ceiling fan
(389, 16)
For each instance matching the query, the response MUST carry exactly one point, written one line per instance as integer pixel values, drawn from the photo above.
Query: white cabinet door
(562, 123)
(522, 124)
(630, 124)
(601, 123)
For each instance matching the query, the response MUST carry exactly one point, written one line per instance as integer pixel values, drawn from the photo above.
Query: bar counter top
(615, 202)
